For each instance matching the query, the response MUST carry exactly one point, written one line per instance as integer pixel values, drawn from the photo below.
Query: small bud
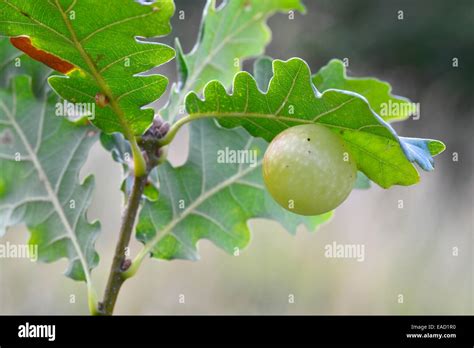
(164, 128)
(158, 128)
(157, 121)
(125, 265)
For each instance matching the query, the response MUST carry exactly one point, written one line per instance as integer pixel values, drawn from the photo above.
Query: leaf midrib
(222, 115)
(87, 59)
(104, 87)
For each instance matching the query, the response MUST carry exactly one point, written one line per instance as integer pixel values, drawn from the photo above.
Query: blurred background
(408, 252)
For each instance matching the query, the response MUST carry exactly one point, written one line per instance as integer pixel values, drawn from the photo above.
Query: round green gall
(308, 169)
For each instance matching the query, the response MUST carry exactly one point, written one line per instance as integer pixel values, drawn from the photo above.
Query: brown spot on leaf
(101, 100)
(24, 44)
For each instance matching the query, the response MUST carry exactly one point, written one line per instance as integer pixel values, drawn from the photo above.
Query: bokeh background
(408, 251)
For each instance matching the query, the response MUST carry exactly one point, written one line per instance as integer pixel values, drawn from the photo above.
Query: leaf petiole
(168, 138)
(92, 300)
(136, 263)
(139, 164)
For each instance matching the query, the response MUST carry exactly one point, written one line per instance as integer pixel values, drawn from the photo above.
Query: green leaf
(263, 73)
(40, 158)
(181, 64)
(94, 44)
(235, 31)
(378, 93)
(207, 199)
(292, 99)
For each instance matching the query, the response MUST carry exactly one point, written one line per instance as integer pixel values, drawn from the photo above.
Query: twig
(119, 265)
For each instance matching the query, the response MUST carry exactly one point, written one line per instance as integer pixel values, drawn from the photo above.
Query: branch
(116, 278)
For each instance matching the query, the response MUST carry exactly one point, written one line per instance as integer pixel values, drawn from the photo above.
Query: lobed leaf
(229, 34)
(291, 99)
(40, 158)
(93, 43)
(212, 200)
(378, 93)
(263, 73)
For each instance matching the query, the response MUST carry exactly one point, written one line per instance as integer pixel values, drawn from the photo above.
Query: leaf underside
(292, 99)
(40, 158)
(98, 40)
